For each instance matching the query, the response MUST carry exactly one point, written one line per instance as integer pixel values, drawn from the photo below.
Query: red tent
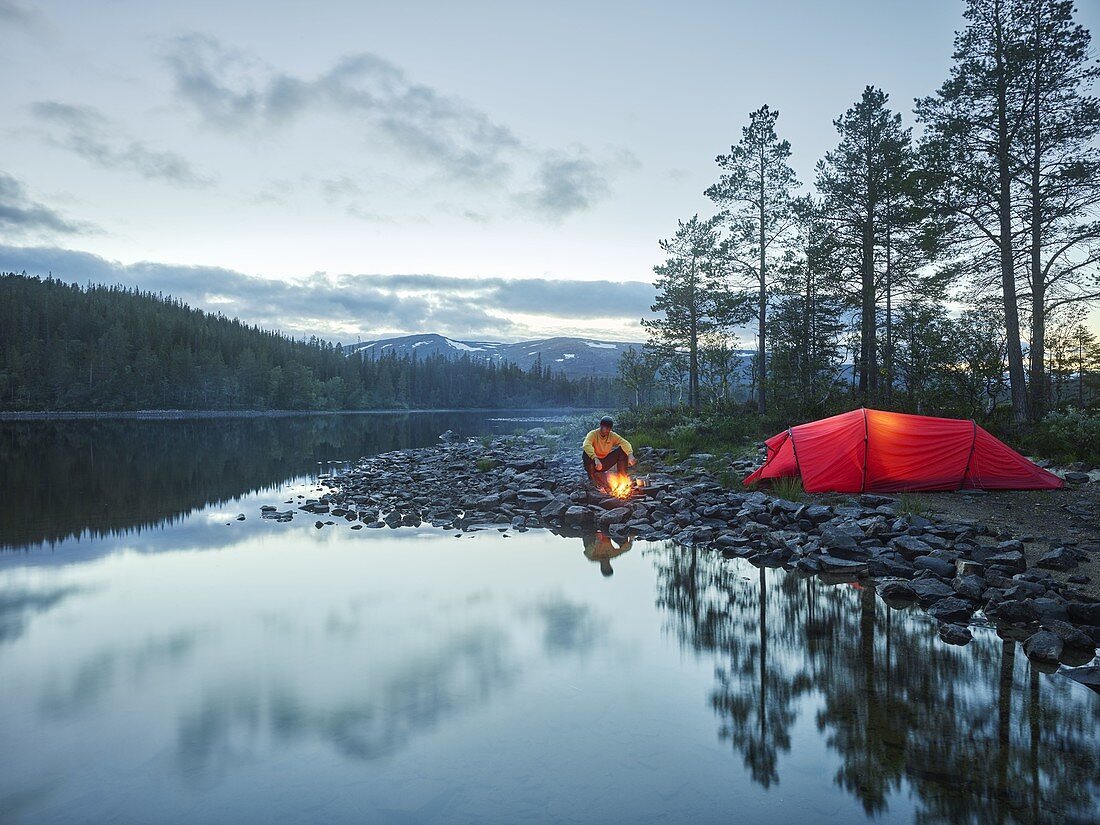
(884, 452)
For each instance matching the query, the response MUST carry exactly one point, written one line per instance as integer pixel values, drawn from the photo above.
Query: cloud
(20, 215)
(91, 135)
(234, 92)
(565, 185)
(15, 14)
(340, 307)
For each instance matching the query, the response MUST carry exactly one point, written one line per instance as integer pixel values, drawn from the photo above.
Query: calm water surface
(163, 662)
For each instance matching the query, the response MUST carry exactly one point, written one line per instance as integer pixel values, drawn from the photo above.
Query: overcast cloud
(21, 216)
(344, 307)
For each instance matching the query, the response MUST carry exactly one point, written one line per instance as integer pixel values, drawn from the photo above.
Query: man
(604, 449)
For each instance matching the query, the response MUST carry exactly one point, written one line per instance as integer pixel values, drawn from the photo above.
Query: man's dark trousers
(616, 458)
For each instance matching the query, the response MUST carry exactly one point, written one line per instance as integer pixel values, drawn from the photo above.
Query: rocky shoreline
(959, 572)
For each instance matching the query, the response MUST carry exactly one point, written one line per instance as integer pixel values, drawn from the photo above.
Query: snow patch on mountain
(458, 345)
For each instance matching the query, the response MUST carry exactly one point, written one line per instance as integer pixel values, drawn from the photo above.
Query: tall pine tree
(755, 194)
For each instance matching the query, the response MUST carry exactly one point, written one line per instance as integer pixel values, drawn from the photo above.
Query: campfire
(622, 485)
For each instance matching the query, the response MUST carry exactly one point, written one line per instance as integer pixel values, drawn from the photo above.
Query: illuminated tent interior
(884, 452)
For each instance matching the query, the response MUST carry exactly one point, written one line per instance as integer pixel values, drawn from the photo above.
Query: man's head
(605, 424)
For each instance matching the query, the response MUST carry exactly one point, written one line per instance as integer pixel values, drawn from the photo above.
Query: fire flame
(621, 485)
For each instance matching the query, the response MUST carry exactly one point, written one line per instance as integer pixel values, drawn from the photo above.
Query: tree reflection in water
(106, 477)
(975, 734)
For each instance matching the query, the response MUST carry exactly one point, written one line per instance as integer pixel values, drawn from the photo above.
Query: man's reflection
(600, 548)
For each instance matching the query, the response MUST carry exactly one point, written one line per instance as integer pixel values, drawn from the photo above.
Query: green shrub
(1069, 435)
(485, 464)
(686, 432)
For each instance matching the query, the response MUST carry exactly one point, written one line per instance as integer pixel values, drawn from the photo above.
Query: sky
(487, 170)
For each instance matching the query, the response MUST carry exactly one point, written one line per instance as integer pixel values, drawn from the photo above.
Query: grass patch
(911, 504)
(487, 441)
(485, 464)
(789, 488)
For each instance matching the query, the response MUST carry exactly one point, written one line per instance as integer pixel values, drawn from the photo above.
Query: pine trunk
(1017, 384)
(761, 399)
(693, 346)
(1039, 391)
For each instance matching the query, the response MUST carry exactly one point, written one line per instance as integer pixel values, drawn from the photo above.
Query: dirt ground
(1040, 518)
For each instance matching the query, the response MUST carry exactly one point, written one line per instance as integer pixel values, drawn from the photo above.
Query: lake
(164, 662)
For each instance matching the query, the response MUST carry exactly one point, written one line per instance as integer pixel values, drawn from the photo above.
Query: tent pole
(970, 456)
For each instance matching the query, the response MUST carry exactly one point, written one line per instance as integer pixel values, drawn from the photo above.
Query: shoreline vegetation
(72, 415)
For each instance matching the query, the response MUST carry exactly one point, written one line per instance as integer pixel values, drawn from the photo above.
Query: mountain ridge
(575, 357)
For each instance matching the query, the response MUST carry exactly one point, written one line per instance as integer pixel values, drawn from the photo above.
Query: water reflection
(464, 669)
(599, 547)
(18, 605)
(975, 733)
(93, 478)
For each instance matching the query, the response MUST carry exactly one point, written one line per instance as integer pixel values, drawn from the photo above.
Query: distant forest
(68, 347)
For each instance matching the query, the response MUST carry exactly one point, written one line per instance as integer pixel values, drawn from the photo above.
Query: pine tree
(871, 203)
(691, 295)
(1060, 203)
(755, 194)
(974, 123)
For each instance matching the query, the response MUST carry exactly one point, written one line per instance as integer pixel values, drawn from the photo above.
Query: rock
(1050, 609)
(965, 567)
(951, 610)
(969, 587)
(833, 538)
(930, 590)
(618, 531)
(1061, 558)
(615, 516)
(870, 500)
(942, 568)
(1043, 646)
(1074, 477)
(910, 547)
(817, 513)
(1010, 612)
(834, 564)
(885, 565)
(268, 508)
(897, 591)
(555, 509)
(1087, 676)
(535, 495)
(1069, 634)
(955, 634)
(1084, 612)
(1009, 560)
